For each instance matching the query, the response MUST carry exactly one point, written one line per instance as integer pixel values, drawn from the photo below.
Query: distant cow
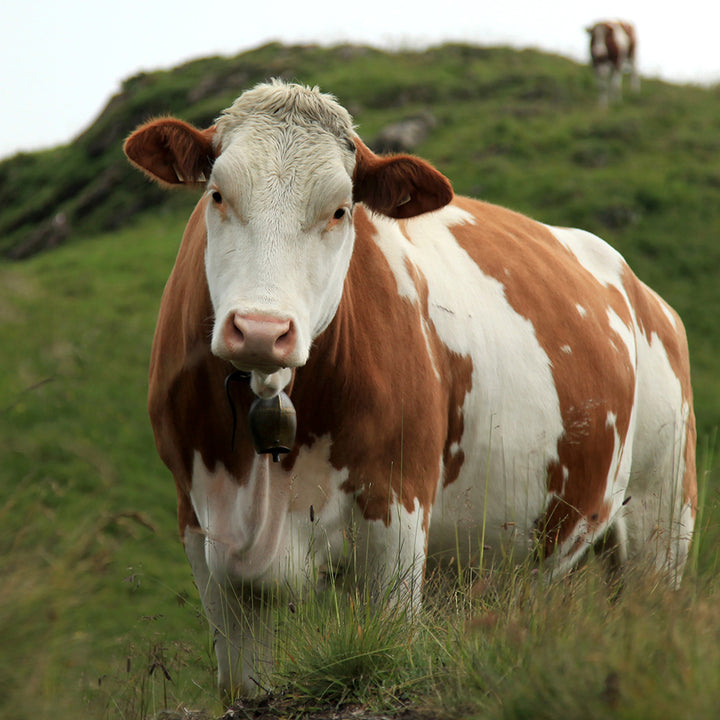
(465, 379)
(613, 46)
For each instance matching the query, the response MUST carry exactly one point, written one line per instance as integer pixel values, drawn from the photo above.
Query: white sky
(61, 60)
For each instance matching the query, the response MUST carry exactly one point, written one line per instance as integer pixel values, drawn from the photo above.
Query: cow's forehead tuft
(287, 104)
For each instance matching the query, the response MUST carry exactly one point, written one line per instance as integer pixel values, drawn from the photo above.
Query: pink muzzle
(258, 342)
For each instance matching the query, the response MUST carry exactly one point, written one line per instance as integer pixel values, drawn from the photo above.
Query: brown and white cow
(613, 46)
(464, 377)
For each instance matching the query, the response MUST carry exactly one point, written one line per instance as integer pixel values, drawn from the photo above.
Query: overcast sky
(61, 60)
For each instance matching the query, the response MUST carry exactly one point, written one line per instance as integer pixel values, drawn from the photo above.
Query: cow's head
(599, 40)
(282, 170)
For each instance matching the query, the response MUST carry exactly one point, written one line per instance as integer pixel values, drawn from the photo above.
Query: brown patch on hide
(595, 380)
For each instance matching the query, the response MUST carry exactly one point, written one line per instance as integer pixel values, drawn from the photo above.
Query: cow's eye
(339, 214)
(217, 197)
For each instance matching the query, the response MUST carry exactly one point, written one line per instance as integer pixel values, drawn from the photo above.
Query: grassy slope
(89, 539)
(91, 566)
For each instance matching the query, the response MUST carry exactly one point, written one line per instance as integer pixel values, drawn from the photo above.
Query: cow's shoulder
(185, 310)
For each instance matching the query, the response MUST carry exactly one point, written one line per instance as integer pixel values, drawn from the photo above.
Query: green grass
(89, 553)
(97, 604)
(337, 648)
(575, 650)
(505, 646)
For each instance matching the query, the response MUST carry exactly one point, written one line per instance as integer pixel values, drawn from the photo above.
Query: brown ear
(172, 152)
(399, 186)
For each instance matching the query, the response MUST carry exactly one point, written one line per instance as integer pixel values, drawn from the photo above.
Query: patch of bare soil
(275, 708)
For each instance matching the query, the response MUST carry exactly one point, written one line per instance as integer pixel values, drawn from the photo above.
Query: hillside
(89, 183)
(519, 128)
(98, 600)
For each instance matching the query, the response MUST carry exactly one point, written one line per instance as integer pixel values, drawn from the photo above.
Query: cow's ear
(172, 152)
(399, 186)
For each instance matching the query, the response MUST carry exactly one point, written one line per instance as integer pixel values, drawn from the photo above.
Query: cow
(613, 45)
(466, 381)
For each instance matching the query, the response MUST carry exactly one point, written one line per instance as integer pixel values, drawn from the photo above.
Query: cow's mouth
(252, 366)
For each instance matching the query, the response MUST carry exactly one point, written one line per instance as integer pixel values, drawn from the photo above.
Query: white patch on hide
(512, 415)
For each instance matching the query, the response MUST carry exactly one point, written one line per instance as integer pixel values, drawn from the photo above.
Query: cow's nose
(258, 339)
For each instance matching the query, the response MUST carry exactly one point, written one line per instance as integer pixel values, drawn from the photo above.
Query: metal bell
(272, 425)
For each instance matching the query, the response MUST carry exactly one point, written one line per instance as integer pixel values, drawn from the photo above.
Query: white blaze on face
(280, 234)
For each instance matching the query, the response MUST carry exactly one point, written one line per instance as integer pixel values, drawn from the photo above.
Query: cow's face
(598, 44)
(282, 170)
(280, 235)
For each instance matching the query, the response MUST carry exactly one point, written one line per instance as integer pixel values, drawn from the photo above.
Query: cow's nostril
(236, 328)
(286, 339)
(233, 335)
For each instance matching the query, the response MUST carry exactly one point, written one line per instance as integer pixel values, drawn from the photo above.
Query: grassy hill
(96, 590)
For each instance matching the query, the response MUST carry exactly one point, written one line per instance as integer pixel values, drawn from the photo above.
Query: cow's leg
(634, 76)
(659, 527)
(390, 556)
(615, 85)
(240, 623)
(602, 77)
(660, 512)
